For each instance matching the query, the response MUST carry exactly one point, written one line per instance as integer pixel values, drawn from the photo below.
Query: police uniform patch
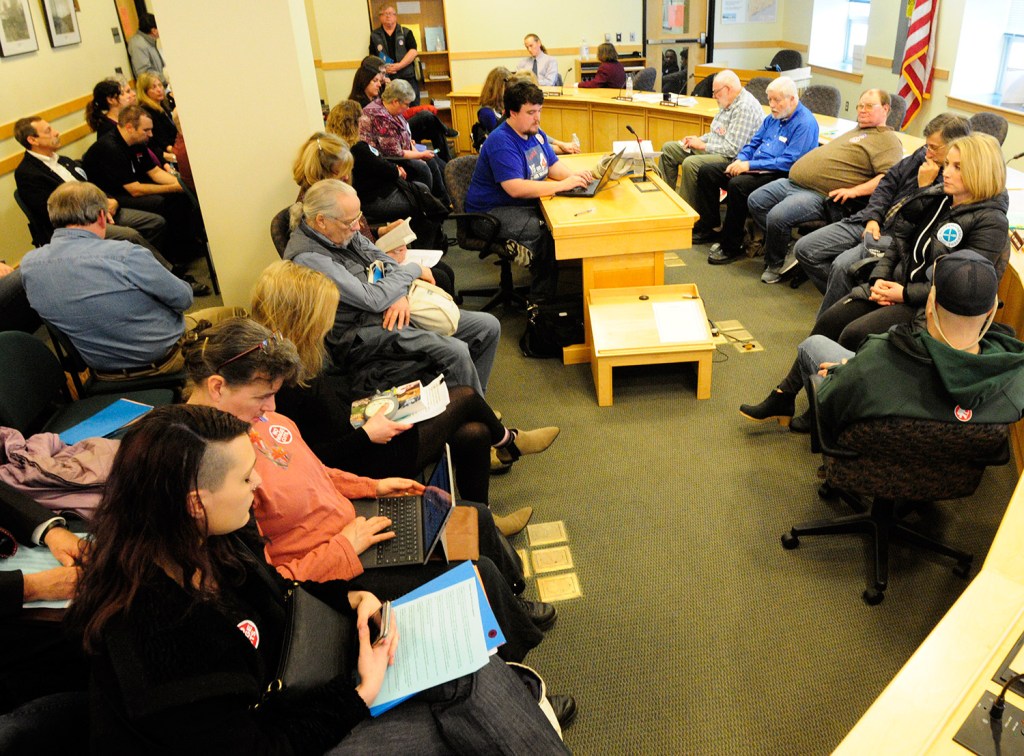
(950, 234)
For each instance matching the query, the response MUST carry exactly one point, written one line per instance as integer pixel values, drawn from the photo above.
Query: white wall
(341, 29)
(35, 81)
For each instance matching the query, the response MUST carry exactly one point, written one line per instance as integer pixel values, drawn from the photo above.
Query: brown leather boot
(510, 525)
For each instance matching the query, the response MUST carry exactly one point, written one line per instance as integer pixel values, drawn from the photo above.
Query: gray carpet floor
(696, 631)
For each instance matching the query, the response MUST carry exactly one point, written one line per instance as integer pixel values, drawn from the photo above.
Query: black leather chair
(704, 87)
(481, 232)
(34, 395)
(886, 468)
(786, 60)
(674, 82)
(37, 230)
(75, 366)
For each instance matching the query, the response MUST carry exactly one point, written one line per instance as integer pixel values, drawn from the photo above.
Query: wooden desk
(703, 70)
(622, 242)
(625, 332)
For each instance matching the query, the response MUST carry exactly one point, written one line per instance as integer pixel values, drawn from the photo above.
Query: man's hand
(824, 367)
(842, 194)
(736, 167)
(64, 545)
(427, 155)
(886, 293)
(363, 533)
(398, 254)
(397, 315)
(872, 228)
(695, 143)
(401, 171)
(399, 487)
(927, 173)
(5, 269)
(112, 205)
(389, 227)
(56, 584)
(382, 429)
(569, 148)
(570, 182)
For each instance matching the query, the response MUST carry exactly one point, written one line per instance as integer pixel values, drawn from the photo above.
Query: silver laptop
(597, 184)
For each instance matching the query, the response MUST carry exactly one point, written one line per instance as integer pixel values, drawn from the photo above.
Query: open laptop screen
(437, 501)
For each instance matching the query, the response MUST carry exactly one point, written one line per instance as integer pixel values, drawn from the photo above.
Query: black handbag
(319, 643)
(550, 326)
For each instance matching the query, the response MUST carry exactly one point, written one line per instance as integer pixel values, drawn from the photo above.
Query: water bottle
(584, 50)
(629, 85)
(576, 142)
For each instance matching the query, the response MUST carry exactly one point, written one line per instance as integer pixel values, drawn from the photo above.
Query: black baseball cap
(965, 283)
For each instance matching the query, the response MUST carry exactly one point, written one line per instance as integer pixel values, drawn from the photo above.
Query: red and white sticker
(963, 415)
(280, 434)
(250, 631)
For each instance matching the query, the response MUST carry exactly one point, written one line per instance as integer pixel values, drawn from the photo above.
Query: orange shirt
(302, 505)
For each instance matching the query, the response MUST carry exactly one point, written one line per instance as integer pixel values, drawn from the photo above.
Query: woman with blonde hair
(323, 156)
(543, 66)
(491, 113)
(300, 303)
(153, 99)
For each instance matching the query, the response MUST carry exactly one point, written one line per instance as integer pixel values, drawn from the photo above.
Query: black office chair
(990, 123)
(822, 99)
(72, 362)
(674, 82)
(704, 87)
(786, 60)
(758, 86)
(481, 232)
(38, 230)
(888, 467)
(897, 112)
(644, 81)
(34, 395)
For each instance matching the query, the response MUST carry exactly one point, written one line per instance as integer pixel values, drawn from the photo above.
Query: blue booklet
(108, 420)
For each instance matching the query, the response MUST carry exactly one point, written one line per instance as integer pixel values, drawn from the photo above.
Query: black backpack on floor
(552, 326)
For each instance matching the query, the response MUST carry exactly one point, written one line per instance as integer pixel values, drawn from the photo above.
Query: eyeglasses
(275, 337)
(714, 92)
(342, 221)
(868, 106)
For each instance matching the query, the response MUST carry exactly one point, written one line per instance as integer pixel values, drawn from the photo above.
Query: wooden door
(676, 34)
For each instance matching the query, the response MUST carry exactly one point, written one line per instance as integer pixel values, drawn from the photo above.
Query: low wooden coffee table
(625, 328)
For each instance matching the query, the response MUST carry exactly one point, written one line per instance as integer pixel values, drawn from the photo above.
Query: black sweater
(372, 176)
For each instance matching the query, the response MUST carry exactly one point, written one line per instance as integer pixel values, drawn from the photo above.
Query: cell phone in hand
(385, 624)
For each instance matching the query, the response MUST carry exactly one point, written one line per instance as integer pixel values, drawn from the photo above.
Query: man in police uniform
(396, 46)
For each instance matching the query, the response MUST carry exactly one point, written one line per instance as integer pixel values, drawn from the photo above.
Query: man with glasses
(828, 255)
(396, 46)
(123, 311)
(373, 317)
(826, 183)
(785, 135)
(738, 118)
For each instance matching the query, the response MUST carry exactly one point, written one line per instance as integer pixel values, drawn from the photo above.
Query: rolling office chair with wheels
(887, 468)
(480, 232)
(34, 395)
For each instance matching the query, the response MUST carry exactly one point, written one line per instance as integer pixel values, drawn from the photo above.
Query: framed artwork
(17, 32)
(61, 22)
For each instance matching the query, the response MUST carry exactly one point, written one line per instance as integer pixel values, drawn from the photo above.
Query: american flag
(915, 84)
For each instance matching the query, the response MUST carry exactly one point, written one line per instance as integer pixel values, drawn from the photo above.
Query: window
(838, 27)
(990, 70)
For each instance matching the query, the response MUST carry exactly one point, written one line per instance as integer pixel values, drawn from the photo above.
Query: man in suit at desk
(509, 179)
(785, 135)
(735, 123)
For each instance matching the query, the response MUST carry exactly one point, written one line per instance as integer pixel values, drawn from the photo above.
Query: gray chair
(989, 123)
(897, 111)
(758, 86)
(674, 82)
(822, 99)
(279, 231)
(644, 81)
(704, 87)
(786, 60)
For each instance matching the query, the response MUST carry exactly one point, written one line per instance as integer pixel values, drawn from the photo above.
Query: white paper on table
(423, 257)
(632, 150)
(434, 399)
(440, 638)
(679, 322)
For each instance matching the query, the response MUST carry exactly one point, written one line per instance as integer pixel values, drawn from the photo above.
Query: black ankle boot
(778, 406)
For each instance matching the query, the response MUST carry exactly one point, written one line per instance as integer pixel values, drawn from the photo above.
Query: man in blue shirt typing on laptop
(509, 179)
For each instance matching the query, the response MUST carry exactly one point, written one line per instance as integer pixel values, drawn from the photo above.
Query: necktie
(535, 67)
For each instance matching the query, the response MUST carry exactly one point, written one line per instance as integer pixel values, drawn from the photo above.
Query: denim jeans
(818, 249)
(779, 206)
(675, 160)
(811, 352)
(840, 280)
(526, 225)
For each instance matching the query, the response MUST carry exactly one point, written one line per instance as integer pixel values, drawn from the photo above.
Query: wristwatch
(56, 522)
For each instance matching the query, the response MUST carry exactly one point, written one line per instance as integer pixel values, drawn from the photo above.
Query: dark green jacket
(904, 373)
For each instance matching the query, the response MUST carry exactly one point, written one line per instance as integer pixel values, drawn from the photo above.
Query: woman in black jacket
(186, 623)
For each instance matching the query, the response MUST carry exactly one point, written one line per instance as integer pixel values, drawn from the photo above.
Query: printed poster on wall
(749, 11)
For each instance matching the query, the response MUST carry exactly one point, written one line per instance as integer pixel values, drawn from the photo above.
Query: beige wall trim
(1013, 116)
(337, 65)
(520, 52)
(759, 43)
(837, 74)
(874, 60)
(10, 162)
(49, 114)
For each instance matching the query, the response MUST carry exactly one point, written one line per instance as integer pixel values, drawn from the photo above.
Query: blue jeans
(526, 225)
(818, 249)
(488, 712)
(810, 353)
(840, 280)
(779, 206)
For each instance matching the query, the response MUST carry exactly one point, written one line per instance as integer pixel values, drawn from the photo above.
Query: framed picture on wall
(61, 22)
(17, 32)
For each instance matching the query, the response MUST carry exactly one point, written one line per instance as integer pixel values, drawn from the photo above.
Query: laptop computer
(418, 521)
(597, 184)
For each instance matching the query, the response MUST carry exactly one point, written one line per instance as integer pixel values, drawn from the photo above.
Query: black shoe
(778, 406)
(719, 255)
(198, 289)
(801, 423)
(703, 235)
(542, 615)
(565, 710)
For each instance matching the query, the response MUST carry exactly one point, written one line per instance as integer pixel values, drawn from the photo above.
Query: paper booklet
(396, 237)
(408, 403)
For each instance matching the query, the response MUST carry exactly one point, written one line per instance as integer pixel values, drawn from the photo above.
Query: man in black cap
(959, 368)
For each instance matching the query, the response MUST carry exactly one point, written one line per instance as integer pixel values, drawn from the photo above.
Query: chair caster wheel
(826, 492)
(873, 596)
(790, 541)
(962, 569)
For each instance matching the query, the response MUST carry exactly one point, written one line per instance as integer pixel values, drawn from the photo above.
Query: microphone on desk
(561, 87)
(638, 179)
(1018, 155)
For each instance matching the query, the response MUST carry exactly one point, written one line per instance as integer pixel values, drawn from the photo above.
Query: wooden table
(620, 235)
(625, 332)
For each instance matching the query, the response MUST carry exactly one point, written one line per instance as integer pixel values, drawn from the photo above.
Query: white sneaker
(790, 262)
(771, 275)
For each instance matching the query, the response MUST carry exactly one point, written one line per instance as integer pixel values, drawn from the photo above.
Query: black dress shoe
(703, 235)
(801, 423)
(542, 615)
(565, 710)
(778, 406)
